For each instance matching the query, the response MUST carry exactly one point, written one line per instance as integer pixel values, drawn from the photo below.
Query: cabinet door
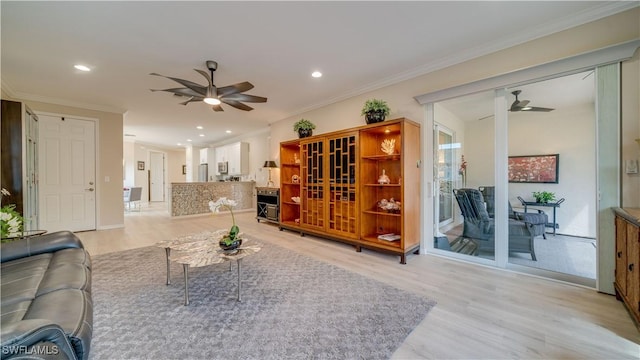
(312, 189)
(203, 156)
(342, 202)
(233, 153)
(621, 255)
(221, 156)
(633, 271)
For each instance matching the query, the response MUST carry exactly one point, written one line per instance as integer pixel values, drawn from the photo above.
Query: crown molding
(545, 29)
(56, 101)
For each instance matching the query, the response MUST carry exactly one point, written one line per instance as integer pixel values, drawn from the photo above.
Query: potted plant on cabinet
(375, 110)
(304, 128)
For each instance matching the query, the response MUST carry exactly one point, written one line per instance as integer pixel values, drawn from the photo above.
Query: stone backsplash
(193, 198)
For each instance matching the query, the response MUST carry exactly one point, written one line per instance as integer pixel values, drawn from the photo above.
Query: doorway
(67, 167)
(445, 179)
(156, 176)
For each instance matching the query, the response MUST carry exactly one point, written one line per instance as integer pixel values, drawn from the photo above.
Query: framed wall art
(140, 165)
(534, 169)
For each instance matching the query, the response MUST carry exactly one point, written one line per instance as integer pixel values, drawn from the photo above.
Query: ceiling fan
(231, 95)
(523, 105)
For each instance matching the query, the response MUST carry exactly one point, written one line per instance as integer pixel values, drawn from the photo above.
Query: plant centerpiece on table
(375, 110)
(11, 223)
(544, 197)
(304, 128)
(229, 242)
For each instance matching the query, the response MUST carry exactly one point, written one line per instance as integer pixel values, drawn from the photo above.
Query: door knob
(89, 189)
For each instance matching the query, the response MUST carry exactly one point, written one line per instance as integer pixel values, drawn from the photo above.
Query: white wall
(260, 150)
(129, 164)
(175, 160)
(570, 133)
(630, 85)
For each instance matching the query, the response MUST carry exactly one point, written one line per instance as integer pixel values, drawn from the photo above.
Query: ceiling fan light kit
(210, 94)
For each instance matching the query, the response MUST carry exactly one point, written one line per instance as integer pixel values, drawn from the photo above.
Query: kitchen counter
(631, 214)
(193, 198)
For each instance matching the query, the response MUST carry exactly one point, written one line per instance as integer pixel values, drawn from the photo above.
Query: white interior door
(156, 170)
(67, 174)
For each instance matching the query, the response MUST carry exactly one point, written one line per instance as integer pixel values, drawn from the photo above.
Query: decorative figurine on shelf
(295, 179)
(296, 160)
(390, 206)
(384, 179)
(388, 146)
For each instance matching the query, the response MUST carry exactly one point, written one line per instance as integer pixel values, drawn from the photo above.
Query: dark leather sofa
(46, 305)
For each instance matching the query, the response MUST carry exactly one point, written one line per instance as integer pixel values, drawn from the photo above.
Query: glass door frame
(437, 129)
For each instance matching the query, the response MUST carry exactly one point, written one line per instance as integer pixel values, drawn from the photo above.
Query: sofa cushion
(14, 312)
(66, 276)
(21, 278)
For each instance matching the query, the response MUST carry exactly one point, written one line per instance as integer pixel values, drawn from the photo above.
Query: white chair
(132, 198)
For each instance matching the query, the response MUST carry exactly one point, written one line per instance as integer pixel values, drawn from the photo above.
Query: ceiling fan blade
(202, 90)
(541, 109)
(191, 99)
(235, 88)
(217, 108)
(237, 105)
(486, 117)
(179, 91)
(245, 98)
(206, 75)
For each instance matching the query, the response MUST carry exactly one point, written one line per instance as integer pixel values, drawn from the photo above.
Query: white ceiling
(557, 93)
(359, 46)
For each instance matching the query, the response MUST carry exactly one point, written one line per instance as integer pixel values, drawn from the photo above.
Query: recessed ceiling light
(189, 140)
(199, 127)
(179, 144)
(228, 131)
(316, 74)
(81, 67)
(201, 135)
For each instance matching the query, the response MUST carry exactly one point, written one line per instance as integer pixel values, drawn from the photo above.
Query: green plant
(10, 220)
(375, 105)
(303, 124)
(544, 197)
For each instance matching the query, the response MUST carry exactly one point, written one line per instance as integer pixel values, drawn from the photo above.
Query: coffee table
(202, 249)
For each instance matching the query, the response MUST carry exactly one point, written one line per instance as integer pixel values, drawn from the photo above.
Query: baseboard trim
(107, 227)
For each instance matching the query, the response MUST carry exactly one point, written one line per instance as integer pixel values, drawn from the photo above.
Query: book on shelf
(389, 237)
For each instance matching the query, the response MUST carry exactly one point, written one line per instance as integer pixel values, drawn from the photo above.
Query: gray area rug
(293, 307)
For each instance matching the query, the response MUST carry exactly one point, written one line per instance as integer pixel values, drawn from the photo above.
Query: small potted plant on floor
(375, 110)
(544, 197)
(304, 128)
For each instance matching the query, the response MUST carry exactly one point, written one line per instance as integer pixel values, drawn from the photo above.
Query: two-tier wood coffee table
(202, 249)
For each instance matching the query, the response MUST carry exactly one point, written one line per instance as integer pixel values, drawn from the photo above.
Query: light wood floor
(482, 313)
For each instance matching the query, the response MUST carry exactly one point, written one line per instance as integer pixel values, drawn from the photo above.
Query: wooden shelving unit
(289, 168)
(339, 189)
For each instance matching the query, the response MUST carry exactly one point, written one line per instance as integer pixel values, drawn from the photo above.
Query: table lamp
(270, 164)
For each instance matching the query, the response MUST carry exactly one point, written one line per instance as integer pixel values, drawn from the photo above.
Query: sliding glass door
(463, 140)
(552, 177)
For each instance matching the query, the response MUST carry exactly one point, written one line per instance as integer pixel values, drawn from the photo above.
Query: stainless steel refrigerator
(203, 173)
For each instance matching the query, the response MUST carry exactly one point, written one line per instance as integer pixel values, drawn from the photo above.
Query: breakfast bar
(191, 198)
